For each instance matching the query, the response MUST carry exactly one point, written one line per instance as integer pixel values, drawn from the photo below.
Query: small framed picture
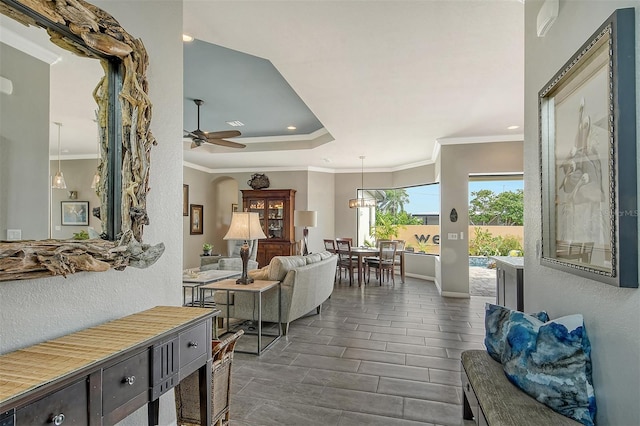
(185, 200)
(75, 213)
(195, 221)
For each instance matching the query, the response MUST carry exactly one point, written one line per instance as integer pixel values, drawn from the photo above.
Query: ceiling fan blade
(195, 143)
(223, 134)
(223, 142)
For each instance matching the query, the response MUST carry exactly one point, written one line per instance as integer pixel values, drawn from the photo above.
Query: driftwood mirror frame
(124, 118)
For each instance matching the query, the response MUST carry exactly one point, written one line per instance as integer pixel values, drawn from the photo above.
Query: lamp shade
(305, 218)
(245, 226)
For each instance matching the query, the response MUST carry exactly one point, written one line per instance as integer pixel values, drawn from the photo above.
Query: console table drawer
(193, 344)
(125, 381)
(67, 406)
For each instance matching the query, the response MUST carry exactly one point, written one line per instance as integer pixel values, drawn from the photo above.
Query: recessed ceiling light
(291, 127)
(235, 123)
(187, 38)
(513, 127)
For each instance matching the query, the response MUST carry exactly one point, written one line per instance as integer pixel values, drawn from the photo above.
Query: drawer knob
(130, 380)
(58, 419)
(193, 344)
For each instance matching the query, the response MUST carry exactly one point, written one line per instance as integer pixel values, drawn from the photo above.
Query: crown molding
(480, 139)
(27, 46)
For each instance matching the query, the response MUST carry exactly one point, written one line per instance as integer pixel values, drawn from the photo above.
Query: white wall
(456, 163)
(612, 315)
(24, 146)
(78, 174)
(321, 198)
(35, 310)
(202, 192)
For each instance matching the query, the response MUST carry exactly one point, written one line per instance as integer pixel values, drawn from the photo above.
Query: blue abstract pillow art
(551, 361)
(496, 320)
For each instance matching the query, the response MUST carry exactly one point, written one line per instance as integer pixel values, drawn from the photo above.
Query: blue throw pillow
(551, 361)
(496, 320)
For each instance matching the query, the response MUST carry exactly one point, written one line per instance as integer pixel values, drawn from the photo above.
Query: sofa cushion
(496, 321)
(280, 265)
(313, 258)
(235, 264)
(325, 255)
(259, 274)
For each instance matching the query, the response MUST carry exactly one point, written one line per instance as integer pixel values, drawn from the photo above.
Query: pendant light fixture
(361, 202)
(58, 180)
(96, 178)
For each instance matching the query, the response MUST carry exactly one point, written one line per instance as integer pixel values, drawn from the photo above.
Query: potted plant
(206, 249)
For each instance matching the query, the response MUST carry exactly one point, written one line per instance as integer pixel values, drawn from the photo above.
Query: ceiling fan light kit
(198, 137)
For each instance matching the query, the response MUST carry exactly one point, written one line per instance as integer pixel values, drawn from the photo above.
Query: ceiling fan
(198, 137)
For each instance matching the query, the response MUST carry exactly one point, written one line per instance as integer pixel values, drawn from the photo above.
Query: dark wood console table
(100, 375)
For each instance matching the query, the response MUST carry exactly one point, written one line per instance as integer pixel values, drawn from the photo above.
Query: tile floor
(374, 356)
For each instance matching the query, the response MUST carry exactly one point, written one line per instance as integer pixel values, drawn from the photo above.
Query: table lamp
(245, 226)
(306, 218)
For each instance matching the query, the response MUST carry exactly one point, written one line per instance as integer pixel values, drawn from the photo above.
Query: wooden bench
(491, 399)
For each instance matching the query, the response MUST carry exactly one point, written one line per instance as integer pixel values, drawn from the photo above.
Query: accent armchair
(233, 261)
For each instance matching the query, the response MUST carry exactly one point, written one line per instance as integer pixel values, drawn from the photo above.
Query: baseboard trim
(420, 277)
(455, 294)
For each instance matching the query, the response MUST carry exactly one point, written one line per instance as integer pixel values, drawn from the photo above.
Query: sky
(426, 198)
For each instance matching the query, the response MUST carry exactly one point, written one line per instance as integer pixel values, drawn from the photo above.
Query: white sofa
(306, 282)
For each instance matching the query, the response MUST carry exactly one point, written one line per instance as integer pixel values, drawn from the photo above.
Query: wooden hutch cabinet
(275, 208)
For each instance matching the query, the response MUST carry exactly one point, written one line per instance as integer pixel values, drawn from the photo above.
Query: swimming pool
(481, 261)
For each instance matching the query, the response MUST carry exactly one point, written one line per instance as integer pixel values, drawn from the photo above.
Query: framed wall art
(196, 219)
(588, 159)
(75, 213)
(185, 200)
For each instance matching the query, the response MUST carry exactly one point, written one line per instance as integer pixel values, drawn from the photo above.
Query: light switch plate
(14, 234)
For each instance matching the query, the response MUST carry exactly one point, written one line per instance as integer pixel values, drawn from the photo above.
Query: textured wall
(35, 310)
(611, 314)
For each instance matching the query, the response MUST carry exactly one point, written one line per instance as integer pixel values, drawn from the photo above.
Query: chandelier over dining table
(361, 201)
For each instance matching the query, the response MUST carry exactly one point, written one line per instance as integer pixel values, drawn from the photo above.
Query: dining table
(362, 252)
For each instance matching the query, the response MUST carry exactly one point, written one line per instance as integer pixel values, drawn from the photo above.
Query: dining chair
(397, 262)
(345, 260)
(330, 245)
(384, 262)
(347, 239)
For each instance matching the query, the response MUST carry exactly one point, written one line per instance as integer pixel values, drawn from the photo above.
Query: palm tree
(394, 201)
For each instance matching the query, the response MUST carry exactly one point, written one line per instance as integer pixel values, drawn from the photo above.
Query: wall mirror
(48, 85)
(123, 121)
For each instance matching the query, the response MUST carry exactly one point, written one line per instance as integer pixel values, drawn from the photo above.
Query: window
(411, 214)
